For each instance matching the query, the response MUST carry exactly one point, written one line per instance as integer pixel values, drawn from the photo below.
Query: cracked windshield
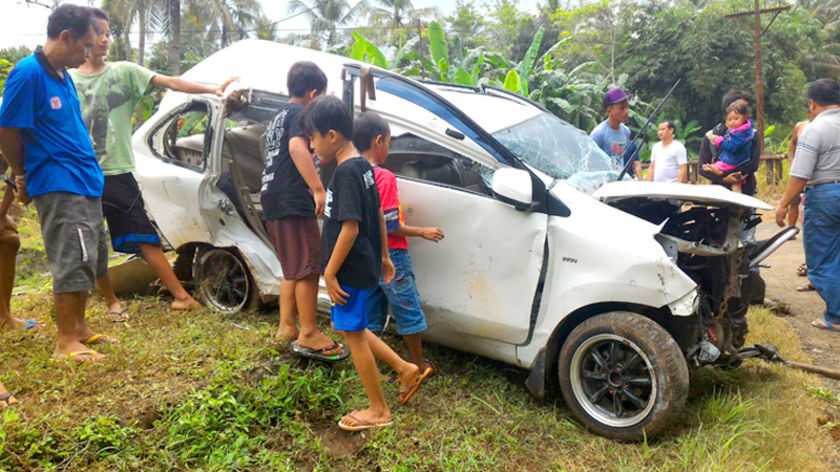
(560, 150)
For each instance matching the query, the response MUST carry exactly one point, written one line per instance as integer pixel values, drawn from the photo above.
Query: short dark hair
(739, 106)
(733, 96)
(670, 124)
(325, 113)
(366, 128)
(75, 18)
(100, 14)
(824, 92)
(305, 76)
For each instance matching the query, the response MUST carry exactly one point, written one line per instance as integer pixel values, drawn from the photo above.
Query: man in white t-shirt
(668, 160)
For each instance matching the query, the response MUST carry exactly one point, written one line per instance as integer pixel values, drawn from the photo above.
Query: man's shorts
(297, 243)
(128, 224)
(352, 316)
(402, 296)
(74, 240)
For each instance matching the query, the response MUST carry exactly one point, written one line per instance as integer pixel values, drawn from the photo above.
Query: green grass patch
(191, 391)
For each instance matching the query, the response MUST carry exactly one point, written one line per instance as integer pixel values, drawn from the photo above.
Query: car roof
(263, 65)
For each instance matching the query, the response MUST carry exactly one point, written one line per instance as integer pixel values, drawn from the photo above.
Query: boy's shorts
(74, 240)
(352, 316)
(122, 206)
(402, 296)
(297, 243)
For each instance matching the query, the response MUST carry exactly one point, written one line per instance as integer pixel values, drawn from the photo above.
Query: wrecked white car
(613, 297)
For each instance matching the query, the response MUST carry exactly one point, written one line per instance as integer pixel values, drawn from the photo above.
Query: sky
(30, 21)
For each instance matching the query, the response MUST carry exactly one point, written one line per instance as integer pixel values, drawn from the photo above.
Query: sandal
(407, 393)
(118, 316)
(100, 339)
(802, 270)
(9, 399)
(361, 424)
(806, 287)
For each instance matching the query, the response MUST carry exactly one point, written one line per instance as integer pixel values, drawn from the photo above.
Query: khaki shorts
(74, 239)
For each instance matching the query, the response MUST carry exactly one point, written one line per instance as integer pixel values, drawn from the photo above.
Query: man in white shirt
(668, 160)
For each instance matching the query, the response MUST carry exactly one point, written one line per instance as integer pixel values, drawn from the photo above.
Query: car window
(415, 157)
(185, 138)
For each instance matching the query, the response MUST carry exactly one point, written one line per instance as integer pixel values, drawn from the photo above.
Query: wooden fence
(772, 168)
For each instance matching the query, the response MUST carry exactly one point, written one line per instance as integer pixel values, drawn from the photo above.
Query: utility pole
(756, 32)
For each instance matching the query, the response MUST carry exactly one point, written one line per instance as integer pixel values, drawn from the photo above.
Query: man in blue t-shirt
(612, 136)
(45, 142)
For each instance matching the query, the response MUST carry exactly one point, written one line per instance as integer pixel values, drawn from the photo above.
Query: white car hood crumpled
(713, 194)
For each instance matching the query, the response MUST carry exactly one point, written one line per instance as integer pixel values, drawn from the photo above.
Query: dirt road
(782, 280)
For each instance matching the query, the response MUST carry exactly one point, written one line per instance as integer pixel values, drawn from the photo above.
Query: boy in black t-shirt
(292, 198)
(353, 250)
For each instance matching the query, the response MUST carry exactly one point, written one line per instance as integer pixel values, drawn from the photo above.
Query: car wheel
(223, 281)
(623, 375)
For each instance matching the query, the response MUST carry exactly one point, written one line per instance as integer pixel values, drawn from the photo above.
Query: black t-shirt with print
(352, 195)
(284, 192)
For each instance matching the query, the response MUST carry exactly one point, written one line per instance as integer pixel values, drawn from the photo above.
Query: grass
(191, 391)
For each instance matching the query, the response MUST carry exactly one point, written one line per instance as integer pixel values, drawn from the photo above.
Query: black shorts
(122, 206)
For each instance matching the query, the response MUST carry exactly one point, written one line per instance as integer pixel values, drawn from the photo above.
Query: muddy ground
(804, 307)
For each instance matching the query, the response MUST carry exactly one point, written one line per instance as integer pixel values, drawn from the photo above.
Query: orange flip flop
(406, 394)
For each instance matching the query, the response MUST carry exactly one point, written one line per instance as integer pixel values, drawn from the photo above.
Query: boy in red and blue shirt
(372, 138)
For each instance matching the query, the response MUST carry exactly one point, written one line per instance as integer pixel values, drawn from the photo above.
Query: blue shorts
(401, 295)
(352, 316)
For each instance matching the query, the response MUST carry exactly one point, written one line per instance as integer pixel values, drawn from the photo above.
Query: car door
(481, 279)
(175, 180)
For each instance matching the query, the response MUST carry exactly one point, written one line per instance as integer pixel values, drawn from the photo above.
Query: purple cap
(614, 96)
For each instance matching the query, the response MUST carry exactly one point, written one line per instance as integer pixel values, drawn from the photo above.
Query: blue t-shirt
(57, 151)
(614, 142)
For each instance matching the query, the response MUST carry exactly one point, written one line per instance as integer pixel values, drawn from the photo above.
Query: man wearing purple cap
(612, 136)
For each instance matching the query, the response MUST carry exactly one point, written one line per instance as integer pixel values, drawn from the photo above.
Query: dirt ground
(804, 307)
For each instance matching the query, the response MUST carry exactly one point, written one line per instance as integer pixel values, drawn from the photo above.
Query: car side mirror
(513, 186)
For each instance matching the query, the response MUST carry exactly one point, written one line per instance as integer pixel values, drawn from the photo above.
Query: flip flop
(361, 424)
(73, 355)
(802, 270)
(406, 394)
(827, 327)
(100, 339)
(117, 316)
(29, 324)
(806, 287)
(5, 397)
(318, 354)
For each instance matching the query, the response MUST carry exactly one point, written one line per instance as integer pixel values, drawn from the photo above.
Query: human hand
(320, 197)
(713, 137)
(221, 90)
(337, 295)
(733, 178)
(20, 193)
(432, 234)
(388, 270)
(781, 214)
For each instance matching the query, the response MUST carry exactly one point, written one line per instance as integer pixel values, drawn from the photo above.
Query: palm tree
(397, 13)
(265, 28)
(226, 18)
(325, 16)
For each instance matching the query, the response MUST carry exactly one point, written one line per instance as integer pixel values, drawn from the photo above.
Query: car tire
(223, 281)
(623, 376)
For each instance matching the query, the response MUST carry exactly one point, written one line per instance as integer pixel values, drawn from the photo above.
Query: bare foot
(188, 303)
(14, 323)
(320, 341)
(409, 377)
(358, 420)
(76, 352)
(286, 334)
